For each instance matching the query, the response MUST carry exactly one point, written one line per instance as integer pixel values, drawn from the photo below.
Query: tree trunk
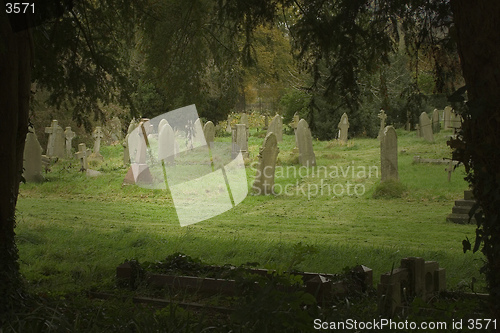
(477, 26)
(15, 88)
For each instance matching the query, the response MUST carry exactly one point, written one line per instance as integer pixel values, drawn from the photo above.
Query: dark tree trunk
(15, 88)
(477, 26)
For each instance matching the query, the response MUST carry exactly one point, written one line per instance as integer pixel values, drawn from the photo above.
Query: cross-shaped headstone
(51, 131)
(69, 134)
(82, 155)
(382, 116)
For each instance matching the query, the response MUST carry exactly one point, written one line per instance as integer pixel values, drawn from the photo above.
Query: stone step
(468, 195)
(463, 202)
(462, 210)
(460, 219)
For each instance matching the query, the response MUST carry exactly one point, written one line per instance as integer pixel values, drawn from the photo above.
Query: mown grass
(72, 231)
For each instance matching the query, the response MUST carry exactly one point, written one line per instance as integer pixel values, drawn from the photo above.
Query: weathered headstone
(32, 164)
(417, 128)
(240, 140)
(69, 135)
(304, 142)
(264, 178)
(166, 144)
(426, 127)
(244, 119)
(382, 116)
(97, 135)
(389, 154)
(343, 128)
(56, 142)
(447, 117)
(436, 126)
(82, 154)
(162, 123)
(276, 127)
(209, 131)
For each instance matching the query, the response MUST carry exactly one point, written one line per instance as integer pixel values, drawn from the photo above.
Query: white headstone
(166, 144)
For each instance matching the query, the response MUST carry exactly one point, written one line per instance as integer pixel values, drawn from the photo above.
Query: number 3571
(19, 7)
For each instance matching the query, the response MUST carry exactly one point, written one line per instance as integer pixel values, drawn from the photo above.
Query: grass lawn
(72, 231)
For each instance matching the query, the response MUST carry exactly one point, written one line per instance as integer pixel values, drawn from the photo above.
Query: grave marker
(82, 154)
(343, 128)
(56, 142)
(69, 135)
(97, 135)
(244, 119)
(240, 140)
(276, 127)
(264, 178)
(426, 127)
(389, 154)
(436, 126)
(32, 164)
(209, 132)
(304, 142)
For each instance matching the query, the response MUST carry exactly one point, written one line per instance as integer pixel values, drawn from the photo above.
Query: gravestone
(343, 128)
(389, 154)
(97, 135)
(69, 135)
(83, 154)
(264, 178)
(436, 126)
(447, 117)
(166, 144)
(162, 123)
(303, 138)
(209, 131)
(32, 164)
(228, 127)
(56, 142)
(266, 122)
(244, 119)
(426, 127)
(276, 127)
(382, 116)
(240, 140)
(417, 129)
